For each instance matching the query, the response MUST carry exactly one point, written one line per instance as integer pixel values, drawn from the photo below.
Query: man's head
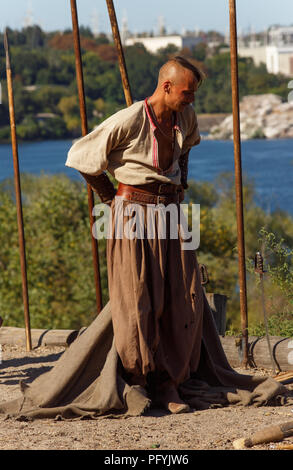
(178, 81)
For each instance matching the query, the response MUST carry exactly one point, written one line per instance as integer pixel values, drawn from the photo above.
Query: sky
(146, 15)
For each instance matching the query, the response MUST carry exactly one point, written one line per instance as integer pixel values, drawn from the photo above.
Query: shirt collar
(153, 125)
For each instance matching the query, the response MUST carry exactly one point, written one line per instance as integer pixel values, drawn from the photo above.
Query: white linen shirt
(126, 145)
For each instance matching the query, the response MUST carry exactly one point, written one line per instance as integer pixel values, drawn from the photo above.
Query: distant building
(154, 43)
(278, 59)
(257, 53)
(280, 35)
(276, 53)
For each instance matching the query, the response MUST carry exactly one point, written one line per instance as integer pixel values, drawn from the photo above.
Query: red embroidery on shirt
(149, 116)
(155, 142)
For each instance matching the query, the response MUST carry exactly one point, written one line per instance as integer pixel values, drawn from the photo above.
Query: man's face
(182, 92)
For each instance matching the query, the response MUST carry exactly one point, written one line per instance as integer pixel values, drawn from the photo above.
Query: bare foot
(169, 398)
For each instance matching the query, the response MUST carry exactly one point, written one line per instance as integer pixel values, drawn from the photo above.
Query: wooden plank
(284, 377)
(40, 337)
(258, 351)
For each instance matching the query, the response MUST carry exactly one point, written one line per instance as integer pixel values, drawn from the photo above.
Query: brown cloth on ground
(87, 382)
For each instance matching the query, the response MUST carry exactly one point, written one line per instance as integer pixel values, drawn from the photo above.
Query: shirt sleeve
(192, 137)
(90, 153)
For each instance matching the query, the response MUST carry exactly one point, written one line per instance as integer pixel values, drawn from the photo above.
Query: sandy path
(213, 429)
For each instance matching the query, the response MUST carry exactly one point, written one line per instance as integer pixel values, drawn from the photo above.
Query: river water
(268, 163)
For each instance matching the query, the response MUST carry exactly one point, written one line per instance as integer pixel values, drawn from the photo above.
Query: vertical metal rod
(17, 186)
(238, 179)
(258, 268)
(84, 127)
(266, 323)
(121, 59)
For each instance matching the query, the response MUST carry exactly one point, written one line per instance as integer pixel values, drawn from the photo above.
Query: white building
(153, 44)
(280, 35)
(278, 59)
(276, 54)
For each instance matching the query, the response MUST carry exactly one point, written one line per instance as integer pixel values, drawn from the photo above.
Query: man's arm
(101, 185)
(183, 164)
(89, 155)
(193, 138)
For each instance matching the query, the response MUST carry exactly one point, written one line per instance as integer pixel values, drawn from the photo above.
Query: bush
(59, 257)
(218, 251)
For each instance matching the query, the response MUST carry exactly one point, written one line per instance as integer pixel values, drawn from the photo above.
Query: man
(157, 333)
(157, 317)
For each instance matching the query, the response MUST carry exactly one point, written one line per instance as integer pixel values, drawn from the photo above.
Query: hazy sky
(143, 15)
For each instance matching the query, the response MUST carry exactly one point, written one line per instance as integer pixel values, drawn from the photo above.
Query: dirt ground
(212, 429)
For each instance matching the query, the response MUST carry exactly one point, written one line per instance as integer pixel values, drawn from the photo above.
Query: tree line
(45, 89)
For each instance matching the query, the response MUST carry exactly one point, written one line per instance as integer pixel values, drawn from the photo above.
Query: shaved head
(176, 69)
(178, 81)
(171, 71)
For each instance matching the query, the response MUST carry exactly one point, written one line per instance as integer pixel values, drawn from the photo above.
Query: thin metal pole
(259, 268)
(84, 127)
(238, 180)
(266, 322)
(121, 59)
(18, 197)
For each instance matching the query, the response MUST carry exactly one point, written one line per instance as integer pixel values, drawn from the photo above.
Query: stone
(261, 116)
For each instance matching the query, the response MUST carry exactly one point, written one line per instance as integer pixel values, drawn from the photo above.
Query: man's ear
(167, 86)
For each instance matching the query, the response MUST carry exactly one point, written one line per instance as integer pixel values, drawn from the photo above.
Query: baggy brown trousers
(156, 301)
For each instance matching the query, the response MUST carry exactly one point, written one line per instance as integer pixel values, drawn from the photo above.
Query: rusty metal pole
(259, 269)
(238, 179)
(121, 59)
(84, 127)
(17, 186)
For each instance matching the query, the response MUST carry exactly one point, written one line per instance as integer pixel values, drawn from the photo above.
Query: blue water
(268, 163)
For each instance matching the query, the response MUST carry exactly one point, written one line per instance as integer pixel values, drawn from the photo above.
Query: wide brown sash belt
(152, 193)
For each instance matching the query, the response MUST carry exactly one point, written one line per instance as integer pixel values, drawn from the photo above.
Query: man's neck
(163, 113)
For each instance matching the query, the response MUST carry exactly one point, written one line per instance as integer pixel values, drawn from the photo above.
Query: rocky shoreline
(261, 117)
(207, 121)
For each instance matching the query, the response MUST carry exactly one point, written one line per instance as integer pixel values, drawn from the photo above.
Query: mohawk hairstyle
(199, 75)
